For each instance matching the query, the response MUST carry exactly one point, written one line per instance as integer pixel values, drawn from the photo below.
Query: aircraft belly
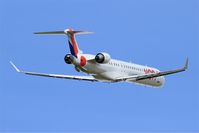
(148, 82)
(91, 68)
(103, 71)
(94, 68)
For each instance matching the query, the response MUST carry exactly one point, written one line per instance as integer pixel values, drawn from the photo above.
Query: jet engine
(67, 59)
(102, 58)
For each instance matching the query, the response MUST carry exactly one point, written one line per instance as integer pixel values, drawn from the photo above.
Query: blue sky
(156, 33)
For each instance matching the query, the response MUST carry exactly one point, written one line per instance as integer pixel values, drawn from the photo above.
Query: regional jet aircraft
(102, 68)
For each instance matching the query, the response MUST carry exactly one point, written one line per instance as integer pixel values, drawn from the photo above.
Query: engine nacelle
(67, 59)
(102, 58)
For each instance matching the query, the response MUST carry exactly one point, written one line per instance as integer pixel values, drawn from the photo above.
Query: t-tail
(74, 49)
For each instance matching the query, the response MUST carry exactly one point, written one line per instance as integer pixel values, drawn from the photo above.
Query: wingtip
(36, 32)
(14, 66)
(186, 64)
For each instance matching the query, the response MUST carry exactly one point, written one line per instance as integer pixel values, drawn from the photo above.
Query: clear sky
(158, 33)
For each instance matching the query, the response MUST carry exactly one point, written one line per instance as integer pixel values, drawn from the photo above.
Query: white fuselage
(114, 69)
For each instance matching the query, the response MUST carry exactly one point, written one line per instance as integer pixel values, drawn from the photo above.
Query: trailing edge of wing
(86, 78)
(154, 75)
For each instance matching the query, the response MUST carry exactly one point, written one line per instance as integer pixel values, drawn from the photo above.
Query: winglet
(186, 64)
(14, 66)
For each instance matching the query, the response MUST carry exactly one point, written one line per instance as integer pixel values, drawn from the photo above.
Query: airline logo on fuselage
(148, 71)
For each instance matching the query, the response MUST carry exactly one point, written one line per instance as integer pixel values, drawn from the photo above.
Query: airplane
(102, 68)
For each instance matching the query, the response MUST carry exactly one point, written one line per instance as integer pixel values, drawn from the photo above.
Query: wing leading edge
(154, 75)
(86, 78)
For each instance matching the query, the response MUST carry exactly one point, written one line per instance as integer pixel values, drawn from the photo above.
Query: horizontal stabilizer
(50, 32)
(67, 31)
(82, 32)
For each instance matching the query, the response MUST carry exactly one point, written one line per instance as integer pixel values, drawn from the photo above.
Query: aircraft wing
(153, 75)
(86, 78)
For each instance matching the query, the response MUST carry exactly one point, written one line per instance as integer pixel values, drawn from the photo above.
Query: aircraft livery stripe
(71, 49)
(74, 44)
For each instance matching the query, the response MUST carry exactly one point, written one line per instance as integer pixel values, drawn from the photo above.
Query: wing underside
(86, 78)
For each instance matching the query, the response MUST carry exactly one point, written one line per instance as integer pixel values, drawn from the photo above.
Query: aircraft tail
(71, 38)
